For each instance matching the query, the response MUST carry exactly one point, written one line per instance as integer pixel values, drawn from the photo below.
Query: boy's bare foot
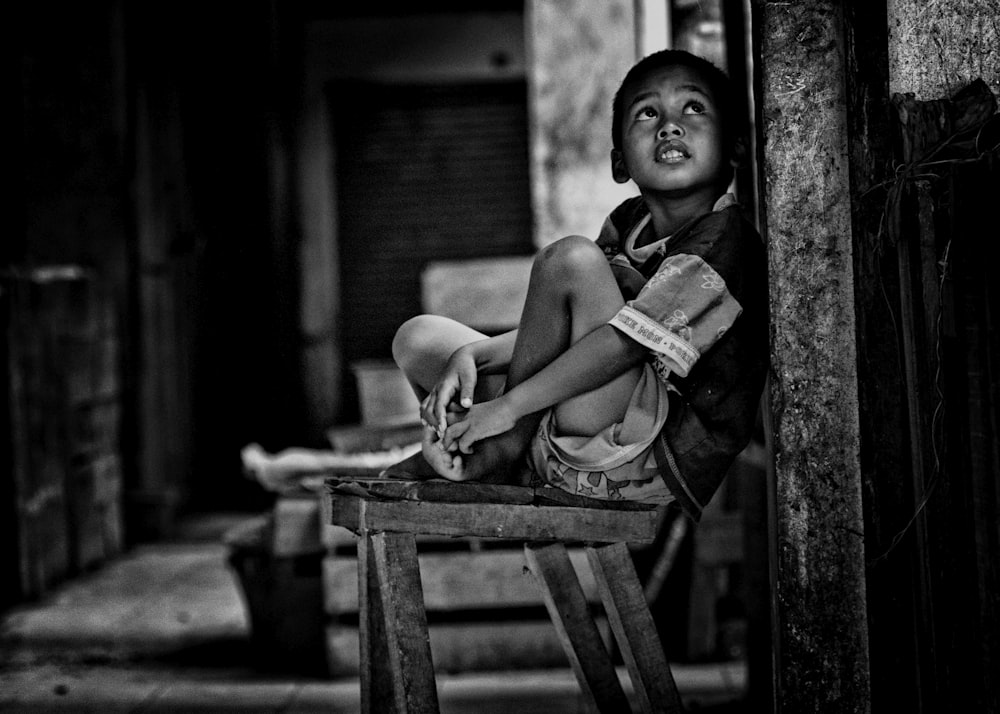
(447, 464)
(489, 464)
(496, 460)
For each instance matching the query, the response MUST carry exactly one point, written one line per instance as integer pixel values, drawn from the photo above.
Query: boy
(639, 360)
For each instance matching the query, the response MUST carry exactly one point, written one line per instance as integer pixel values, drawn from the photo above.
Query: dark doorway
(423, 173)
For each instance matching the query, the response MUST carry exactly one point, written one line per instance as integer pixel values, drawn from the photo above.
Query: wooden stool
(397, 673)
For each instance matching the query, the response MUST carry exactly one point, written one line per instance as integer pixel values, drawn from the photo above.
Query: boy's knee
(408, 339)
(571, 255)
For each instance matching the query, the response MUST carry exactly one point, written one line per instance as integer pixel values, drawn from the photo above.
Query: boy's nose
(670, 128)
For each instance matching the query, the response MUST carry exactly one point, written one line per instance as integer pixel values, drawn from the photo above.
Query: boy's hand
(458, 380)
(482, 421)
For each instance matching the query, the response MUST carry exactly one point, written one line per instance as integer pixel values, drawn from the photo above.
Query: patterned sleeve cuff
(656, 337)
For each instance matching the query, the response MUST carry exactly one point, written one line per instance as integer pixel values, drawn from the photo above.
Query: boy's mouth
(670, 152)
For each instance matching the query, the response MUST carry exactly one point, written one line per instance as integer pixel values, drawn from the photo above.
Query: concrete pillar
(578, 52)
(820, 625)
(937, 48)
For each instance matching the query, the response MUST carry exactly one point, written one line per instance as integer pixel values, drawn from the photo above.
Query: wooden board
(508, 521)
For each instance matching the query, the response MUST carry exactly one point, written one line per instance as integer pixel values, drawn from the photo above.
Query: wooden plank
(634, 628)
(505, 521)
(375, 686)
(556, 496)
(390, 484)
(577, 630)
(457, 580)
(405, 623)
(436, 490)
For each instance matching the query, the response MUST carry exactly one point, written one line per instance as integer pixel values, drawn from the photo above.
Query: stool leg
(634, 629)
(397, 674)
(575, 626)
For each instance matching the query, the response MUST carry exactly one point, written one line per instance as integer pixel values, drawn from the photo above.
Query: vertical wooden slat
(404, 625)
(915, 343)
(371, 632)
(577, 630)
(634, 628)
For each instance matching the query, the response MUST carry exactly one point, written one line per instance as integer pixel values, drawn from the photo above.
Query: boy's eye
(694, 108)
(645, 113)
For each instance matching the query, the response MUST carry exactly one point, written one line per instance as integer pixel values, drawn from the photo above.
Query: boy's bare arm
(493, 354)
(591, 362)
(489, 356)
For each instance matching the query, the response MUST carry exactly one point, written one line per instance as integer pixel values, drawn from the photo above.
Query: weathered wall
(936, 48)
(886, 475)
(950, 548)
(578, 53)
(820, 629)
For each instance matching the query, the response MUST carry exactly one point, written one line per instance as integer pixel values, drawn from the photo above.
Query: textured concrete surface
(820, 615)
(163, 629)
(936, 47)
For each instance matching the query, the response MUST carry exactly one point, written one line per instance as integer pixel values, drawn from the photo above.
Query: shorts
(616, 464)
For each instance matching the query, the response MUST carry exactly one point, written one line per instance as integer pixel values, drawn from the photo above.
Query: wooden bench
(397, 672)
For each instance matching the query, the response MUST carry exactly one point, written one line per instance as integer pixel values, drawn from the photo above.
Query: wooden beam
(485, 520)
(634, 628)
(396, 667)
(577, 631)
(821, 633)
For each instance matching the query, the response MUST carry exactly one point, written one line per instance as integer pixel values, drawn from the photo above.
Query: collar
(641, 255)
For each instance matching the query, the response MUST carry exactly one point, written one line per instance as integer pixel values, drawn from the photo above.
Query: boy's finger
(440, 410)
(451, 435)
(465, 444)
(466, 396)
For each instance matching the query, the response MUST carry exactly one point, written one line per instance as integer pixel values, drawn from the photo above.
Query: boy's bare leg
(571, 292)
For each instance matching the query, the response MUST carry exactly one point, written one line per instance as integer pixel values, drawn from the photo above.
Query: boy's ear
(739, 154)
(618, 170)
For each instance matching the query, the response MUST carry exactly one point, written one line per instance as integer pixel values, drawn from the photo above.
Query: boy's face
(672, 138)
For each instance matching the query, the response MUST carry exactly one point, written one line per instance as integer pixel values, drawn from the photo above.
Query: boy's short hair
(719, 84)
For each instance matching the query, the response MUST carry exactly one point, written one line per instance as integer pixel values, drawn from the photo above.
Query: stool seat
(397, 673)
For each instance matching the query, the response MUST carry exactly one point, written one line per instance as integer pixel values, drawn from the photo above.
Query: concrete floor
(164, 629)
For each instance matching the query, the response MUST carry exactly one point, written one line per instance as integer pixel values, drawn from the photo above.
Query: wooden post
(820, 625)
